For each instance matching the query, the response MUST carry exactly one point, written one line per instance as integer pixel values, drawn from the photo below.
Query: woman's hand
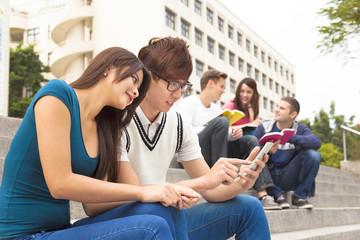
(237, 132)
(169, 195)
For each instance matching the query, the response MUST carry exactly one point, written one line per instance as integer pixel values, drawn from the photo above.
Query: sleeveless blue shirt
(26, 205)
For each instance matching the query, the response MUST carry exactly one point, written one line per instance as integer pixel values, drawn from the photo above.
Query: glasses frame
(179, 85)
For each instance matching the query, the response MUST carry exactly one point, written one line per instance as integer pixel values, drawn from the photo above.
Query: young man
(215, 136)
(293, 166)
(157, 133)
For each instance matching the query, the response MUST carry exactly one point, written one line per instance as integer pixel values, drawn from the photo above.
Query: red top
(231, 105)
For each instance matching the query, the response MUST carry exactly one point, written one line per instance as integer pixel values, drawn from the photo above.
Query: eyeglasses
(173, 86)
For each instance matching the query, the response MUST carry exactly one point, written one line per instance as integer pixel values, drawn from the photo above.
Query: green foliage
(24, 79)
(344, 26)
(330, 155)
(328, 127)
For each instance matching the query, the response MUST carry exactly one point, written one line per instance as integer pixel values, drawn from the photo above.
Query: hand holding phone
(266, 148)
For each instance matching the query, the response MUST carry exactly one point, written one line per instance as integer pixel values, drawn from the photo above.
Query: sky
(289, 26)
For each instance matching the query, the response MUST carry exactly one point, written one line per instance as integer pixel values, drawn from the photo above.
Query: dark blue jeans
(131, 221)
(298, 175)
(242, 216)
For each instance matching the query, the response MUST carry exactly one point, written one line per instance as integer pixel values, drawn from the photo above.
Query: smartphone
(266, 148)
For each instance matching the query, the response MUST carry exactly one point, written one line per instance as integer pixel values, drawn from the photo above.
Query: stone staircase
(336, 213)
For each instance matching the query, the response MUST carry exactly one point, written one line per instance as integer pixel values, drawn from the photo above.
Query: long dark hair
(111, 121)
(254, 100)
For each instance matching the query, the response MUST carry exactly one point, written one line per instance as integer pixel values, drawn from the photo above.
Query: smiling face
(159, 98)
(218, 88)
(246, 94)
(123, 92)
(282, 112)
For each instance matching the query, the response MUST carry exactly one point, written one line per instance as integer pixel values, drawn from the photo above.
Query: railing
(344, 138)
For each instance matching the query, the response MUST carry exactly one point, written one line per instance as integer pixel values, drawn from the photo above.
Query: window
(28, 91)
(276, 87)
(185, 29)
(220, 24)
(255, 51)
(240, 64)
(248, 45)
(282, 91)
(249, 68)
(263, 56)
(272, 106)
(197, 7)
(230, 32)
(288, 93)
(232, 85)
(231, 58)
(239, 39)
(275, 66)
(287, 74)
(185, 2)
(210, 45)
(257, 73)
(269, 62)
(292, 78)
(198, 37)
(199, 68)
(271, 82)
(281, 70)
(170, 19)
(210, 16)
(265, 100)
(33, 35)
(264, 79)
(221, 52)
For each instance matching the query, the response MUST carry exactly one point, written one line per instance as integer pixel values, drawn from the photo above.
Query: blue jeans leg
(138, 208)
(299, 175)
(128, 228)
(213, 140)
(243, 216)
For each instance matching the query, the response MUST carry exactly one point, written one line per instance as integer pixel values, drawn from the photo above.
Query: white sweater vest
(151, 159)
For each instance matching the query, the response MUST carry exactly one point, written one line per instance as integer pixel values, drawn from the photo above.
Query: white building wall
(78, 32)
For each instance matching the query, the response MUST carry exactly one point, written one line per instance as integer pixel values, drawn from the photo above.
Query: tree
(25, 78)
(343, 29)
(328, 127)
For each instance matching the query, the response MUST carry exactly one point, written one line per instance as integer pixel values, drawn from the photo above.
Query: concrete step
(346, 232)
(300, 219)
(334, 187)
(9, 126)
(5, 142)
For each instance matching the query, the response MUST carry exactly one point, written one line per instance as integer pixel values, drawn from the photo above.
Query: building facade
(68, 33)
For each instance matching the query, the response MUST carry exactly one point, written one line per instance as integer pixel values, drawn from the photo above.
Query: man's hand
(274, 147)
(248, 181)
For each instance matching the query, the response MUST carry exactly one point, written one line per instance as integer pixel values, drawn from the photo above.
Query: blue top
(26, 205)
(303, 139)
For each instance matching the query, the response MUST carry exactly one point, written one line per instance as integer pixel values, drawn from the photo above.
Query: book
(232, 115)
(248, 129)
(283, 136)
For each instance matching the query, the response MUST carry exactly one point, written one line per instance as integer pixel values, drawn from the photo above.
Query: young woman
(246, 100)
(66, 149)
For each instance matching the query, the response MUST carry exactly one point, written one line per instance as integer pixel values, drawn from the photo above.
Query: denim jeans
(131, 221)
(213, 140)
(298, 175)
(242, 216)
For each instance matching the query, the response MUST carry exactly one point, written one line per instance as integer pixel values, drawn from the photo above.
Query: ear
(293, 115)
(210, 83)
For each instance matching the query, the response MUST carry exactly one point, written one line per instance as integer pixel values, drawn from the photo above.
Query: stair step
(346, 232)
(9, 126)
(5, 142)
(301, 219)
